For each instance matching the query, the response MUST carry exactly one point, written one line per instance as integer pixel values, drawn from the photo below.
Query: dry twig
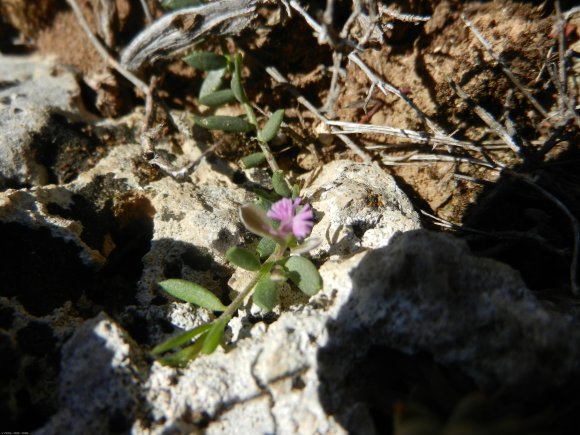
(176, 31)
(486, 117)
(136, 81)
(278, 77)
(573, 223)
(504, 66)
(146, 11)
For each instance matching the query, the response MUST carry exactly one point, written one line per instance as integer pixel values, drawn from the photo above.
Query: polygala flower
(293, 218)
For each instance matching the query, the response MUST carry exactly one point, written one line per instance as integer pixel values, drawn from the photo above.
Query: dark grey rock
(99, 381)
(426, 293)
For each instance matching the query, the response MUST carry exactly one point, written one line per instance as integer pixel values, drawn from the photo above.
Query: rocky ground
(443, 174)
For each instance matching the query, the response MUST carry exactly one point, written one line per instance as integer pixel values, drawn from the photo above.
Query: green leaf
(191, 292)
(214, 336)
(170, 5)
(180, 339)
(272, 126)
(205, 60)
(304, 274)
(182, 357)
(218, 98)
(229, 124)
(243, 258)
(295, 191)
(267, 198)
(236, 83)
(279, 184)
(212, 82)
(265, 293)
(265, 247)
(250, 114)
(252, 160)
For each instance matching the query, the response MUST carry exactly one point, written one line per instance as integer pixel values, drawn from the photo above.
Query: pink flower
(292, 219)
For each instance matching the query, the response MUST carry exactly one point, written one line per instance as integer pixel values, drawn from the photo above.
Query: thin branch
(415, 158)
(278, 77)
(508, 235)
(136, 81)
(387, 88)
(504, 66)
(560, 25)
(486, 117)
(566, 102)
(180, 173)
(568, 14)
(409, 18)
(412, 135)
(334, 90)
(146, 11)
(573, 223)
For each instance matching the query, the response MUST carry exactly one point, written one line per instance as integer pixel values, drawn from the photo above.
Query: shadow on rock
(427, 321)
(100, 381)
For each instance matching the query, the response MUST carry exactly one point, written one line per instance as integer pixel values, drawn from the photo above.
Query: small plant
(280, 217)
(275, 260)
(212, 94)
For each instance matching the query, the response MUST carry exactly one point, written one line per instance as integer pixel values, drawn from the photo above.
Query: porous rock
(357, 205)
(423, 293)
(31, 91)
(99, 381)
(266, 384)
(426, 293)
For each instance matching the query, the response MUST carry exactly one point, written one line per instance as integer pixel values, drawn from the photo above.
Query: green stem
(233, 307)
(269, 156)
(263, 145)
(237, 302)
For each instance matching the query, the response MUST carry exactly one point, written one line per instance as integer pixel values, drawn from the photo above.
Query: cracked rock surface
(80, 307)
(33, 93)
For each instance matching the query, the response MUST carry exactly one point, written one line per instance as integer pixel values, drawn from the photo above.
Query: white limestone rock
(32, 91)
(357, 206)
(100, 381)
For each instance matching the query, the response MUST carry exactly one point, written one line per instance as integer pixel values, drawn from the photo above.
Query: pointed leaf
(229, 124)
(265, 199)
(214, 336)
(193, 293)
(180, 339)
(212, 82)
(265, 247)
(279, 184)
(250, 114)
(295, 191)
(243, 258)
(265, 293)
(252, 160)
(303, 273)
(205, 60)
(272, 126)
(218, 98)
(181, 358)
(236, 83)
